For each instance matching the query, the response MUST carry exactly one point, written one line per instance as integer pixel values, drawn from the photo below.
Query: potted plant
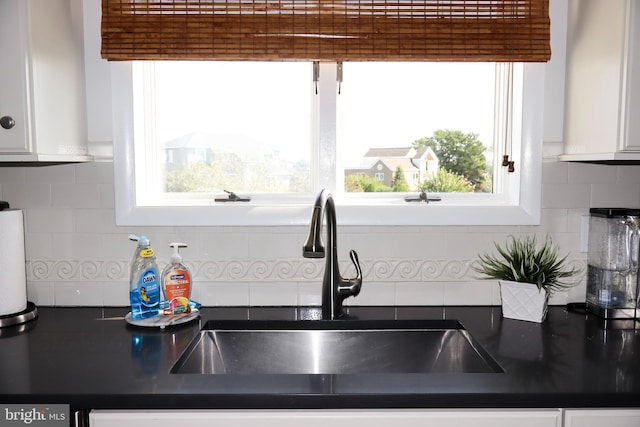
(528, 273)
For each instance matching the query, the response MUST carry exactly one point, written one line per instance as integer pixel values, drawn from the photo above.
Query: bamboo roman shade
(327, 30)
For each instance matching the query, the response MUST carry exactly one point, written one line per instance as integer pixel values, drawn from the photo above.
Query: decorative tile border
(264, 270)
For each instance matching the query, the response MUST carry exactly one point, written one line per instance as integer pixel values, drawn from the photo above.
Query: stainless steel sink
(334, 347)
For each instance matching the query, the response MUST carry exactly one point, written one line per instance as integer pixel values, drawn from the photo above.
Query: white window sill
(300, 214)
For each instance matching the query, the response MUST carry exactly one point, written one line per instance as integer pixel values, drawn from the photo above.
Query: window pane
(392, 113)
(239, 126)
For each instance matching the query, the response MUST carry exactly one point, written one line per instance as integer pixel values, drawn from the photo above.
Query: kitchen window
(141, 196)
(311, 103)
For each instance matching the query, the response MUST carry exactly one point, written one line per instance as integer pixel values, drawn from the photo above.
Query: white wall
(76, 255)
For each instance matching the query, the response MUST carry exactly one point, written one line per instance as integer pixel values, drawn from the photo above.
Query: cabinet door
(13, 77)
(333, 418)
(602, 417)
(632, 107)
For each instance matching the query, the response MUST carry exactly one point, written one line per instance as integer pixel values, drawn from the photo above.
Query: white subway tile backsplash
(42, 293)
(481, 292)
(76, 255)
(273, 294)
(115, 293)
(554, 220)
(585, 173)
(374, 293)
(38, 246)
(579, 292)
(368, 242)
(51, 174)
(574, 219)
(13, 175)
(274, 245)
(221, 293)
(87, 246)
(555, 172)
(558, 196)
(62, 245)
(107, 196)
(95, 221)
(628, 174)
(420, 293)
(310, 293)
(115, 246)
(27, 196)
(467, 246)
(215, 246)
(76, 196)
(71, 293)
(615, 195)
(101, 173)
(49, 220)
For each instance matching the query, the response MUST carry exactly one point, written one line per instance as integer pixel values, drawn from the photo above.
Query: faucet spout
(335, 288)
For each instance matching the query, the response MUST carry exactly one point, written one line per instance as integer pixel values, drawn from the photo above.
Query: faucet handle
(356, 263)
(351, 287)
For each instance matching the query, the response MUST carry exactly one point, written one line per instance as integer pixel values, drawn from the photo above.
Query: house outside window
(417, 165)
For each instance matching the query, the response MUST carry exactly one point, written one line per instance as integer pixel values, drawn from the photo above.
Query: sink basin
(334, 347)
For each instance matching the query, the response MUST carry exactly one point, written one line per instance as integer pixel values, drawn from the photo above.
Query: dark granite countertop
(90, 358)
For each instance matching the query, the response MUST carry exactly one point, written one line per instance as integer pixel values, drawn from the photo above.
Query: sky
(383, 104)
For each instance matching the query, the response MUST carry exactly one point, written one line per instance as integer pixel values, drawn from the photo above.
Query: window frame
(518, 207)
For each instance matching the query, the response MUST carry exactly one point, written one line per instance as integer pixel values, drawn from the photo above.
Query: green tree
(446, 182)
(226, 171)
(460, 153)
(197, 176)
(399, 182)
(364, 183)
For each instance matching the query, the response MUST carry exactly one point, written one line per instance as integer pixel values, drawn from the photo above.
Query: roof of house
(390, 152)
(421, 151)
(408, 152)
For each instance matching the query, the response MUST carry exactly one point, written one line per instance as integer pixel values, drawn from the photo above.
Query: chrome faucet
(334, 287)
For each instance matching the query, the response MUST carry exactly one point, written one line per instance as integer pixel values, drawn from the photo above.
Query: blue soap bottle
(144, 280)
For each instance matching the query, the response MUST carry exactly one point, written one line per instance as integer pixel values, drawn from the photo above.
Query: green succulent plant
(523, 260)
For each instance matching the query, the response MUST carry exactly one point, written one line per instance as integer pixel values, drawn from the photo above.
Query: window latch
(422, 197)
(233, 197)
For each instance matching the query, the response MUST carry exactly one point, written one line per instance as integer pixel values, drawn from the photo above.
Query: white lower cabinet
(333, 418)
(602, 417)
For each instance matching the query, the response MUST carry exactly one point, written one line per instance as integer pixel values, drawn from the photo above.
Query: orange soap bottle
(176, 283)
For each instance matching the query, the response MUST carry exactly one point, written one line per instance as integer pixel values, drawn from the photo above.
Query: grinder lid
(614, 212)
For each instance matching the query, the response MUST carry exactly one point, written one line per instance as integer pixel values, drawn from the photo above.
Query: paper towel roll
(13, 280)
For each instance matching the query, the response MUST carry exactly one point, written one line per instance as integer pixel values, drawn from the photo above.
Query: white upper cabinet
(603, 82)
(42, 89)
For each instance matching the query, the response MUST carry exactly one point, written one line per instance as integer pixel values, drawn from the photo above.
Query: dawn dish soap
(144, 285)
(176, 283)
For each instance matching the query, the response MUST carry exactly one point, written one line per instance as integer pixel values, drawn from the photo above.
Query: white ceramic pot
(523, 301)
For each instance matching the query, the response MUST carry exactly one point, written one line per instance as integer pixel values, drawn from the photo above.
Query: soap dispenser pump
(176, 282)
